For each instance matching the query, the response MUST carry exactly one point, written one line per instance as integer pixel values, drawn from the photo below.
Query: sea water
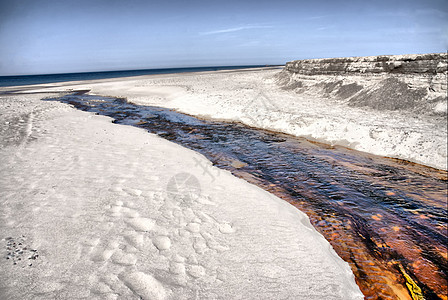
(50, 78)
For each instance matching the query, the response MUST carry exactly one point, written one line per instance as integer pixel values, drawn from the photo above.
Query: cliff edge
(415, 83)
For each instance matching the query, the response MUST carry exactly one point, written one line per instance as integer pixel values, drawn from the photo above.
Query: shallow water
(385, 217)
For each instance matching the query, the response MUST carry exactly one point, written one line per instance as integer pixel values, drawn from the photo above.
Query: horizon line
(147, 69)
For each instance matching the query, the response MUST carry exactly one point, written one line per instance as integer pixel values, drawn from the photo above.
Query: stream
(386, 217)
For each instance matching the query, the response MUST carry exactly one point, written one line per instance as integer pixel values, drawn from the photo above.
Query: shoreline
(130, 77)
(254, 98)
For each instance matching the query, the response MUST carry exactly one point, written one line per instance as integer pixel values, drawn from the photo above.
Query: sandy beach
(95, 210)
(255, 98)
(265, 150)
(98, 210)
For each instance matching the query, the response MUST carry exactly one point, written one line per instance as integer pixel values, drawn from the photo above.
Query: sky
(61, 36)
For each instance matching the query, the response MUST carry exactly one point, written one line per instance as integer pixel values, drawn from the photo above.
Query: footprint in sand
(132, 192)
(100, 255)
(162, 242)
(212, 243)
(87, 246)
(115, 210)
(226, 228)
(120, 257)
(95, 250)
(144, 285)
(116, 189)
(141, 224)
(193, 227)
(199, 245)
(177, 268)
(195, 271)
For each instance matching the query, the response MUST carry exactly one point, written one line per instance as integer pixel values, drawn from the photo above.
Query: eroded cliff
(416, 83)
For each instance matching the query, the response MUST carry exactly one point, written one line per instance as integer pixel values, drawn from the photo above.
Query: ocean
(50, 78)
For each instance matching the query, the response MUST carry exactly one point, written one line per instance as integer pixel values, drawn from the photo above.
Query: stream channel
(386, 217)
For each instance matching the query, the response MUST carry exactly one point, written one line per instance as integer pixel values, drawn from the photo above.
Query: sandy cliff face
(416, 83)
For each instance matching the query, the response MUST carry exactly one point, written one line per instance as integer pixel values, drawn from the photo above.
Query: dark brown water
(386, 217)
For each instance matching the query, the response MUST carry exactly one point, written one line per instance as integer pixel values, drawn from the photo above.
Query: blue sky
(50, 36)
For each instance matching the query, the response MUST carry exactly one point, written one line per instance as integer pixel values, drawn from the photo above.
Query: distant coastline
(18, 80)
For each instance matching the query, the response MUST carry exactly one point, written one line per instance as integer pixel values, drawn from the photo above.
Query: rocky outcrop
(415, 83)
(396, 64)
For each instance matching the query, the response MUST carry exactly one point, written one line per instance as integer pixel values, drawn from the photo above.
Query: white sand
(95, 210)
(117, 213)
(254, 98)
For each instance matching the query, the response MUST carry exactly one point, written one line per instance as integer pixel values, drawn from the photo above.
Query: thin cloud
(325, 28)
(234, 29)
(316, 17)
